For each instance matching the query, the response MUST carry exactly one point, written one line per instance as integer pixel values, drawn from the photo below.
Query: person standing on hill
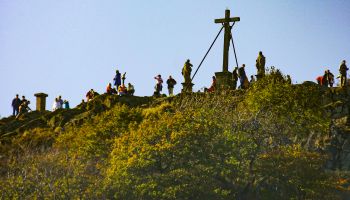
(325, 79)
(60, 100)
(330, 78)
(117, 79)
(342, 70)
(159, 84)
(16, 102)
(260, 65)
(235, 78)
(171, 83)
(56, 104)
(243, 77)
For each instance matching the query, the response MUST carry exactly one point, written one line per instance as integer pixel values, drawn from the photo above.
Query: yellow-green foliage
(156, 112)
(201, 146)
(298, 104)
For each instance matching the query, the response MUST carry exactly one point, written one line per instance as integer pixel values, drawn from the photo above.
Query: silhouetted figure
(23, 108)
(260, 65)
(330, 78)
(171, 83)
(213, 85)
(117, 79)
(186, 71)
(159, 85)
(325, 79)
(23, 99)
(235, 78)
(343, 70)
(61, 101)
(16, 102)
(131, 89)
(243, 77)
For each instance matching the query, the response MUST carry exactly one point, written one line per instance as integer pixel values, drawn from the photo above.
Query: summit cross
(226, 23)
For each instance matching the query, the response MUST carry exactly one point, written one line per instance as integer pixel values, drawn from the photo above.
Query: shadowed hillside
(272, 141)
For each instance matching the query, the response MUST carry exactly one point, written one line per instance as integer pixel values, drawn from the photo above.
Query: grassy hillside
(269, 142)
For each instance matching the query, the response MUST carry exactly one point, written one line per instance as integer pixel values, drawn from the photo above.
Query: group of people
(327, 80)
(240, 74)
(120, 88)
(20, 106)
(171, 82)
(59, 103)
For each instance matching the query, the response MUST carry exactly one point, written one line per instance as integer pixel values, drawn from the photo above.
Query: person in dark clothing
(330, 78)
(171, 83)
(117, 79)
(342, 70)
(325, 79)
(60, 100)
(22, 101)
(235, 78)
(23, 108)
(243, 77)
(16, 102)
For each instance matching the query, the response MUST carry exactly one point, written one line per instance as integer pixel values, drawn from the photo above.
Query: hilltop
(272, 141)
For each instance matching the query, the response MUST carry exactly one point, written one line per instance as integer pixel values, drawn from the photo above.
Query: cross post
(226, 23)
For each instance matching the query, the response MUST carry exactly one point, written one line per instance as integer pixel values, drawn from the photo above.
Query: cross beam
(226, 22)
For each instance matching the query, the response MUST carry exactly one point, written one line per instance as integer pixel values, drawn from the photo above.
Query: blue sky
(67, 47)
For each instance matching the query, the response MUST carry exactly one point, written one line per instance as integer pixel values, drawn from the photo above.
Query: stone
(41, 101)
(224, 81)
(187, 87)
